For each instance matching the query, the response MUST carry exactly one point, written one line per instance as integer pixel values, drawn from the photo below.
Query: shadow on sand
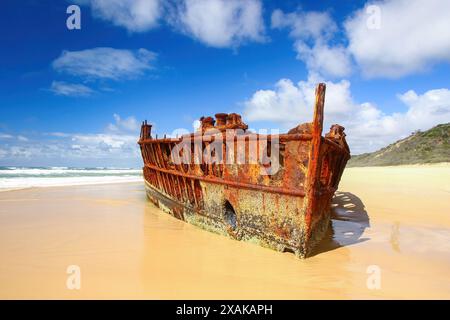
(349, 219)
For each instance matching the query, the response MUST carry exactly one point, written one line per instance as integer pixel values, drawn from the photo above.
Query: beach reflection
(395, 236)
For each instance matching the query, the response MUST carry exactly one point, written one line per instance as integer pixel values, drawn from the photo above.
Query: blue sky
(76, 97)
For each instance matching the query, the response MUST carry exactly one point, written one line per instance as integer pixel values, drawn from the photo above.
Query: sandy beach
(396, 218)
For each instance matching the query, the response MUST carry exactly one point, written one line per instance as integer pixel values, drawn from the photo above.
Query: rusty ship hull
(287, 209)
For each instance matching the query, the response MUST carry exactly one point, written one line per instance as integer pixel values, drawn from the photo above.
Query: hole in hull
(230, 215)
(289, 250)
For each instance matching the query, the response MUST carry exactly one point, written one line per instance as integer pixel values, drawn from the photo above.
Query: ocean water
(27, 177)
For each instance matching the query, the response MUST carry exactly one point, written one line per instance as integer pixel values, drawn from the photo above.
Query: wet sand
(397, 218)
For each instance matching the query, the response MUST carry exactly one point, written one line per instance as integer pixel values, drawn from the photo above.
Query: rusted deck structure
(279, 198)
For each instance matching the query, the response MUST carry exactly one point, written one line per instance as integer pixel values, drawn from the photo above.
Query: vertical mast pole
(314, 166)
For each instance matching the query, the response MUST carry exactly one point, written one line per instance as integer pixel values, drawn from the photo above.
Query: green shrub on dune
(431, 146)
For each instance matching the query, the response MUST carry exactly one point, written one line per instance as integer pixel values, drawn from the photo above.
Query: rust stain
(286, 210)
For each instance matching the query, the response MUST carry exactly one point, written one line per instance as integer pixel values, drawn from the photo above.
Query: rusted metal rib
(282, 138)
(335, 146)
(297, 193)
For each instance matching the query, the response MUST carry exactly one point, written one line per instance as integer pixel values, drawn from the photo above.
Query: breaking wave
(27, 177)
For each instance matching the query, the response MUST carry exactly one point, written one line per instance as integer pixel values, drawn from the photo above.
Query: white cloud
(367, 127)
(134, 15)
(217, 23)
(312, 32)
(112, 147)
(427, 109)
(413, 36)
(5, 136)
(292, 103)
(103, 142)
(305, 25)
(328, 60)
(70, 89)
(129, 124)
(220, 23)
(22, 138)
(86, 147)
(105, 63)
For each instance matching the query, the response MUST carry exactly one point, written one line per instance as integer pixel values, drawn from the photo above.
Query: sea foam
(26, 177)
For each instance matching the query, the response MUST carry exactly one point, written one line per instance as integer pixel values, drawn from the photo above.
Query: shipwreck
(271, 189)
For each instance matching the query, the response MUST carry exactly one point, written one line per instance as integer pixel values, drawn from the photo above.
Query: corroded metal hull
(287, 209)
